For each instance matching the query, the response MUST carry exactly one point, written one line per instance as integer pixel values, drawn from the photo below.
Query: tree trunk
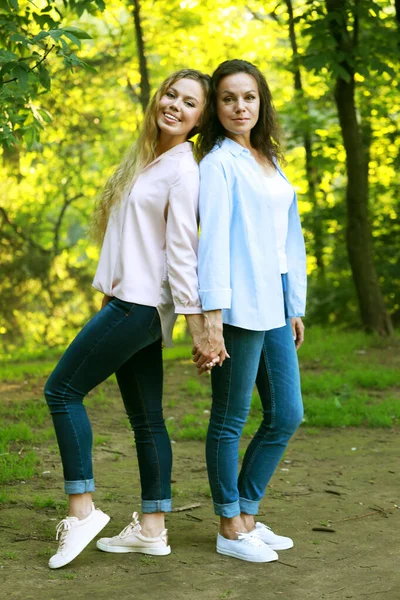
(144, 96)
(397, 7)
(312, 177)
(358, 235)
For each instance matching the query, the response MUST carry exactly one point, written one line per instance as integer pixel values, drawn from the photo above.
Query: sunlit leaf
(78, 33)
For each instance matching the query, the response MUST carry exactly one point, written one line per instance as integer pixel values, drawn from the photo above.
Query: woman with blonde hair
(147, 221)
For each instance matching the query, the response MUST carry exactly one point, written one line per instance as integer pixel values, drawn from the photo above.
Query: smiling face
(238, 104)
(180, 109)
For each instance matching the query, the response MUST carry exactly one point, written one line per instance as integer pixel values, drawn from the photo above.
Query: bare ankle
(152, 524)
(230, 527)
(80, 505)
(248, 521)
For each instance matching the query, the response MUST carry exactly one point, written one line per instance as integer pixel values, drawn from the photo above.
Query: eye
(227, 99)
(250, 97)
(189, 103)
(170, 94)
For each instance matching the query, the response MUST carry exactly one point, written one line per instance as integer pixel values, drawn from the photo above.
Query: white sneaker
(247, 547)
(75, 535)
(276, 542)
(131, 540)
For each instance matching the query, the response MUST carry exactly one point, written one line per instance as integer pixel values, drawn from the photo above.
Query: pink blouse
(149, 253)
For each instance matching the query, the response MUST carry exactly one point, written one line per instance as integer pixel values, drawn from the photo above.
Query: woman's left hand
(298, 331)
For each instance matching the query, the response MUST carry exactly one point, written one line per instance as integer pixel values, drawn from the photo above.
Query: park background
(75, 78)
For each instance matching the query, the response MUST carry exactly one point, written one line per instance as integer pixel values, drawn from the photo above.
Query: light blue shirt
(238, 263)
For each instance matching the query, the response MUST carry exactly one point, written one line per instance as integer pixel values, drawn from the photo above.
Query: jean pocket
(155, 326)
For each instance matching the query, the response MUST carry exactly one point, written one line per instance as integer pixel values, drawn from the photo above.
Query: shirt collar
(179, 148)
(233, 147)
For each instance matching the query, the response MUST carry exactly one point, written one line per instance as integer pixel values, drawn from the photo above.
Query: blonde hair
(139, 155)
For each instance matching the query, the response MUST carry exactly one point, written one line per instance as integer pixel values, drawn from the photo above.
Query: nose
(240, 105)
(175, 104)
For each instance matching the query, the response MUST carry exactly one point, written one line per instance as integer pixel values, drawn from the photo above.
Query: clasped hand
(208, 342)
(208, 351)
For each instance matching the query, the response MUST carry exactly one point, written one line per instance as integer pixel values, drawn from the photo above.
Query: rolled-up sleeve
(214, 260)
(182, 242)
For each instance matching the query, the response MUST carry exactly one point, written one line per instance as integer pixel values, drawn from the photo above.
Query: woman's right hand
(208, 344)
(105, 301)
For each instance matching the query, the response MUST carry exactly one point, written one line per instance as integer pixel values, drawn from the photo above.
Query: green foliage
(28, 34)
(66, 128)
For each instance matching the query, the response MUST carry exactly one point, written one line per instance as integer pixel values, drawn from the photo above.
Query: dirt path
(334, 478)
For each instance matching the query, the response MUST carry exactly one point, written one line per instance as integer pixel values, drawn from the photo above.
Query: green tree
(29, 33)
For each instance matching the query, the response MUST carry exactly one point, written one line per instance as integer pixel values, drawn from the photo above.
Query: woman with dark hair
(252, 277)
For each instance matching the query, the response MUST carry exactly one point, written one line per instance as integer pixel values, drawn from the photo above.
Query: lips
(170, 117)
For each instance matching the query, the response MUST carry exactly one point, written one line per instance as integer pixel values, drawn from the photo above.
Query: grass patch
(101, 440)
(192, 427)
(18, 467)
(177, 492)
(47, 502)
(45, 552)
(112, 497)
(64, 576)
(326, 382)
(16, 432)
(4, 497)
(348, 379)
(331, 348)
(355, 411)
(101, 398)
(179, 352)
(376, 378)
(147, 561)
(26, 370)
(194, 432)
(194, 387)
(17, 354)
(9, 555)
(33, 412)
(204, 490)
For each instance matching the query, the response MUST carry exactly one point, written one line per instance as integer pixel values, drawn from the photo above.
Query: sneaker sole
(126, 549)
(246, 558)
(62, 561)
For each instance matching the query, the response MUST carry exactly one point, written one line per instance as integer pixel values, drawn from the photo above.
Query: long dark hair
(264, 136)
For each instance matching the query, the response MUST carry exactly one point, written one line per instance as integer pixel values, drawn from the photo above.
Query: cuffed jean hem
(250, 507)
(227, 510)
(79, 487)
(154, 506)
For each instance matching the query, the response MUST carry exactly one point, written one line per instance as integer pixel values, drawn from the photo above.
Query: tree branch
(131, 90)
(47, 52)
(20, 233)
(56, 241)
(260, 17)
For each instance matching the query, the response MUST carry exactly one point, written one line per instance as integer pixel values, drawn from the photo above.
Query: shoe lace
(262, 526)
(62, 528)
(250, 538)
(133, 527)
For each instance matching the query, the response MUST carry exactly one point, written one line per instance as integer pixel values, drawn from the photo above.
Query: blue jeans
(268, 359)
(125, 339)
